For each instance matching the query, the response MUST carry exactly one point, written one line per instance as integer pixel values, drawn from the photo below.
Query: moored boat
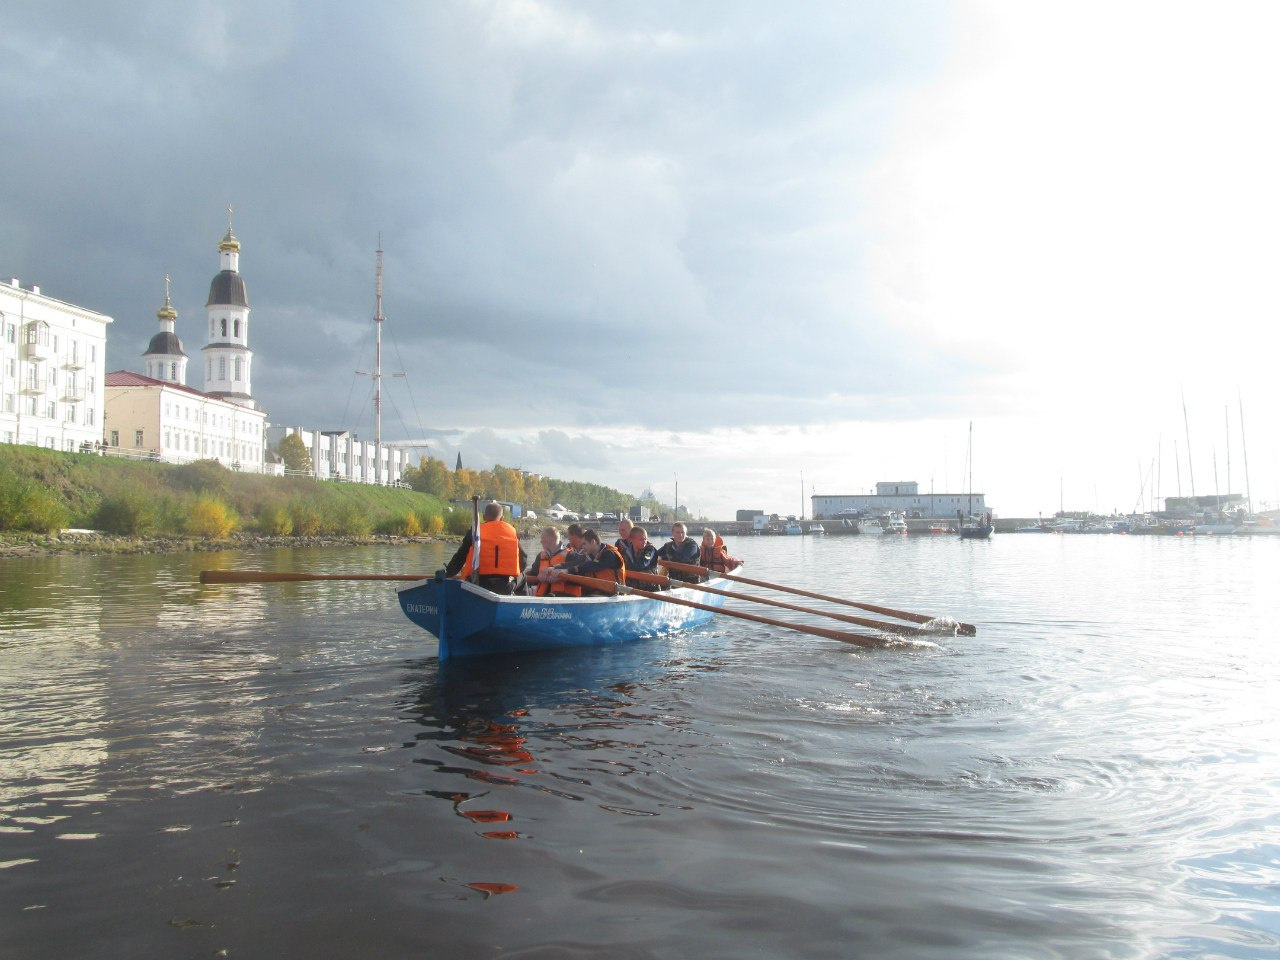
(471, 621)
(894, 523)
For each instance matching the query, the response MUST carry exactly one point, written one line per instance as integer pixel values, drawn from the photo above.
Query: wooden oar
(964, 629)
(609, 586)
(898, 628)
(263, 576)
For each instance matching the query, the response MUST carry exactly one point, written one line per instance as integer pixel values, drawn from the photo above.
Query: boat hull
(469, 621)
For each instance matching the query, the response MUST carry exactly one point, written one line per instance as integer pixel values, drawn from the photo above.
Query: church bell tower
(227, 357)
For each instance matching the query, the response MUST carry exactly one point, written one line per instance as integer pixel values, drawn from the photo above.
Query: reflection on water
(286, 770)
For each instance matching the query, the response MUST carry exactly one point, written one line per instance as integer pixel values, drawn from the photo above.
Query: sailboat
(974, 528)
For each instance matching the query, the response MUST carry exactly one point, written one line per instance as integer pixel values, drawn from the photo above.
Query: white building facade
(176, 423)
(903, 496)
(340, 455)
(52, 362)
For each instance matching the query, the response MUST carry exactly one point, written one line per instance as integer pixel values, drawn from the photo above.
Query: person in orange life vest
(680, 549)
(602, 561)
(501, 556)
(713, 555)
(644, 556)
(553, 554)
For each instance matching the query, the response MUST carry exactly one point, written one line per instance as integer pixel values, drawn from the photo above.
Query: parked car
(569, 515)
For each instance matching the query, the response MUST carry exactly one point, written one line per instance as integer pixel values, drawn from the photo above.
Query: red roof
(127, 378)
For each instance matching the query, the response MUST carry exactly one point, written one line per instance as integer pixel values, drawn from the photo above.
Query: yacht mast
(1248, 494)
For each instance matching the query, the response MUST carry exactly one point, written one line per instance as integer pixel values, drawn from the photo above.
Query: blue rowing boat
(469, 621)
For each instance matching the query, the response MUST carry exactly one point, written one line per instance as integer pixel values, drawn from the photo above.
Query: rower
(601, 560)
(679, 549)
(644, 555)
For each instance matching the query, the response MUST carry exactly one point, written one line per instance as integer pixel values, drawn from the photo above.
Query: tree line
(433, 476)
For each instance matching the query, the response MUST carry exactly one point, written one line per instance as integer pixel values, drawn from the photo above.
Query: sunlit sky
(723, 243)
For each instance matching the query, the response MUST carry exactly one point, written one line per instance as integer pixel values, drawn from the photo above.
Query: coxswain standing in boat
(679, 549)
(552, 554)
(501, 556)
(713, 555)
(644, 555)
(601, 560)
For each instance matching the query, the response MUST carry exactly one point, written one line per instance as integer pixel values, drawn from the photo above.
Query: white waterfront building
(52, 361)
(899, 495)
(341, 455)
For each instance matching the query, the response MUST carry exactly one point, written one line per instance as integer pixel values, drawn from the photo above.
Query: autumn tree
(293, 452)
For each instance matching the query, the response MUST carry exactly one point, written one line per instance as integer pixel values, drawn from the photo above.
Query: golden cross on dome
(228, 218)
(166, 289)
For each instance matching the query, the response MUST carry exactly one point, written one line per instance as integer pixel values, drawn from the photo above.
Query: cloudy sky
(724, 243)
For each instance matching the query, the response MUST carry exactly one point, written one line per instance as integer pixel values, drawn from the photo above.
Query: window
(167, 441)
(224, 326)
(166, 409)
(137, 438)
(51, 410)
(173, 371)
(222, 368)
(11, 367)
(93, 384)
(69, 446)
(11, 333)
(115, 438)
(88, 417)
(239, 369)
(31, 406)
(237, 327)
(53, 376)
(71, 413)
(8, 403)
(93, 353)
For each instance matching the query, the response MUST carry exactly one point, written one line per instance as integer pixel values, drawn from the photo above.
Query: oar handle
(262, 576)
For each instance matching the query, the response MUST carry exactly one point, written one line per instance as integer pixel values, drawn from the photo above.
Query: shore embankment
(94, 543)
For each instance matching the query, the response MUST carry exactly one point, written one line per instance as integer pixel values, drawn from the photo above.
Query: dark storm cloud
(592, 214)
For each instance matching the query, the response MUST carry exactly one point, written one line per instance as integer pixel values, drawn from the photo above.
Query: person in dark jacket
(681, 549)
(601, 561)
(644, 556)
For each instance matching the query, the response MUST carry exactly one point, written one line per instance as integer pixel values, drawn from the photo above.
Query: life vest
(606, 573)
(560, 588)
(714, 557)
(499, 551)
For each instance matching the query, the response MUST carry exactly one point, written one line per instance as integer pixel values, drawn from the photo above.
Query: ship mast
(377, 371)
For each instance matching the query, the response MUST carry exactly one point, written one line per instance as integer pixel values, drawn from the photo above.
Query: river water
(286, 771)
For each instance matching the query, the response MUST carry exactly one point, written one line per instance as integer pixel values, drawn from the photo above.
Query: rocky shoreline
(91, 543)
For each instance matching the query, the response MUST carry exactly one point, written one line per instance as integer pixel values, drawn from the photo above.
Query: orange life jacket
(560, 588)
(715, 557)
(499, 551)
(619, 575)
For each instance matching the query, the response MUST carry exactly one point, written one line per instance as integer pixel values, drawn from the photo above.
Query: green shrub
(128, 514)
(459, 522)
(348, 520)
(407, 525)
(306, 519)
(275, 520)
(29, 506)
(210, 519)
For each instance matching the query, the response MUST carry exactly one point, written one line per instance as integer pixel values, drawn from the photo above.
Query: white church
(155, 414)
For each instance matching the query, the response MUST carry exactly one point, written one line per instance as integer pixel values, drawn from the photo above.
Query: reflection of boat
(470, 621)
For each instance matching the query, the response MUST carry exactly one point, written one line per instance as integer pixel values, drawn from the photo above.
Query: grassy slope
(81, 482)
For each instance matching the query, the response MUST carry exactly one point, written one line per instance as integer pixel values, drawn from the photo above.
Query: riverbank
(95, 543)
